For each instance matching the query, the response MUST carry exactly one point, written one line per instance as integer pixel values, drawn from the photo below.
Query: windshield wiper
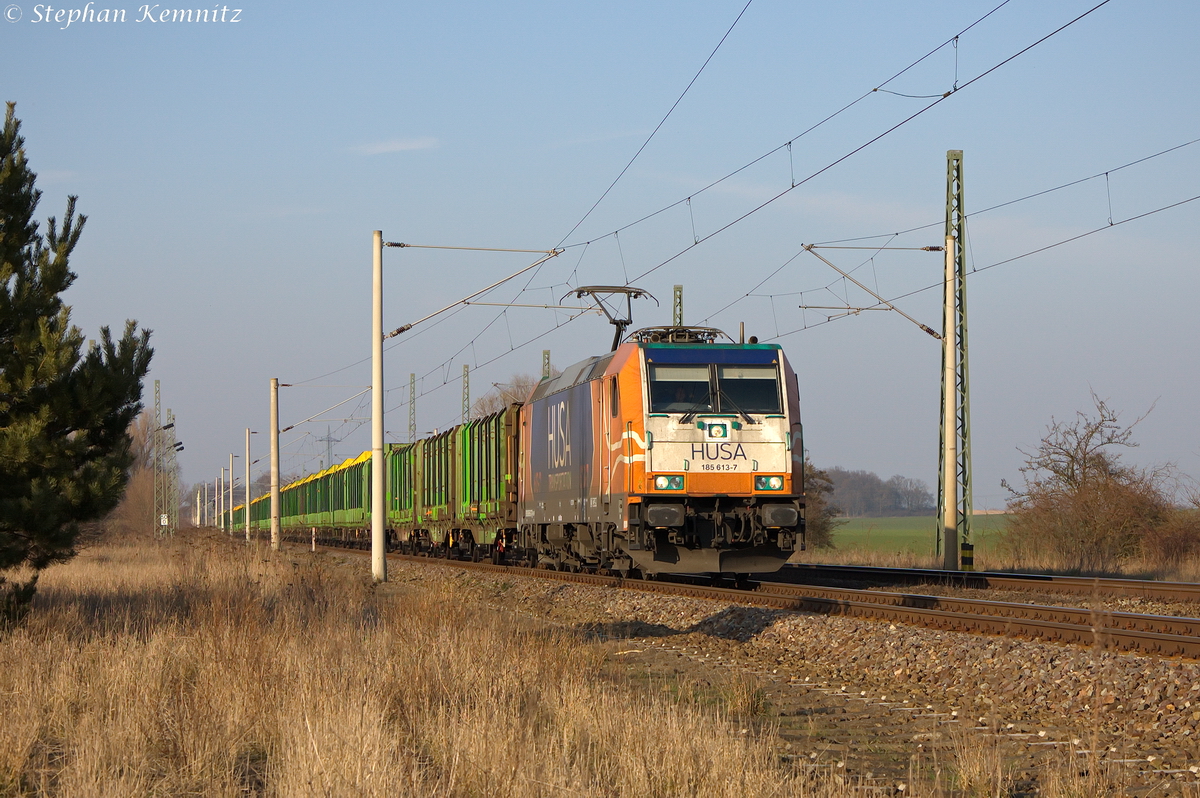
(725, 398)
(690, 415)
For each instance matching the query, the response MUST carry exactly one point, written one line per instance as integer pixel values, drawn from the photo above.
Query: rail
(990, 580)
(1148, 634)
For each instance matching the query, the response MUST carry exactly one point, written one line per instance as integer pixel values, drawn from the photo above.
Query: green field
(912, 534)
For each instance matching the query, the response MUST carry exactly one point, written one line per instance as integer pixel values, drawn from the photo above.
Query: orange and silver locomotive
(673, 453)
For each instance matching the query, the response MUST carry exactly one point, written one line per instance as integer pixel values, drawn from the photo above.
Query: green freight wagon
(456, 491)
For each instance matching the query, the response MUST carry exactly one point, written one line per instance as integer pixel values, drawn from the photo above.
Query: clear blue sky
(233, 172)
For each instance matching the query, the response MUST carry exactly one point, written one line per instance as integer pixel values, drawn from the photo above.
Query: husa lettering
(718, 451)
(558, 433)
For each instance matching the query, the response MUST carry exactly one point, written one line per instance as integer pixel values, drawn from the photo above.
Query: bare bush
(134, 515)
(503, 394)
(1174, 541)
(1081, 509)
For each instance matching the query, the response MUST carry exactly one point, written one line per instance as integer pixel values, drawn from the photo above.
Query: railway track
(1148, 634)
(1151, 634)
(806, 573)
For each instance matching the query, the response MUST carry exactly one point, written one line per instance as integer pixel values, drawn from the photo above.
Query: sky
(233, 171)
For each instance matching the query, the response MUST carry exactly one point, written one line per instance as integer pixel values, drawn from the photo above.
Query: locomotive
(673, 453)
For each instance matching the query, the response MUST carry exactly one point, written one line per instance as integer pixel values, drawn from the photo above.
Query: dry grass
(1140, 566)
(203, 668)
(874, 557)
(178, 670)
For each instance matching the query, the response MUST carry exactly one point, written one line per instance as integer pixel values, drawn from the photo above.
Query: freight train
(674, 453)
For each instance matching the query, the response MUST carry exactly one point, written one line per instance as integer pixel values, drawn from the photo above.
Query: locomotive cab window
(680, 389)
(749, 389)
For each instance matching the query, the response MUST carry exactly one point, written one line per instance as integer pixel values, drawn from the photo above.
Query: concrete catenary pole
(221, 500)
(160, 501)
(949, 419)
(275, 527)
(229, 506)
(246, 514)
(378, 540)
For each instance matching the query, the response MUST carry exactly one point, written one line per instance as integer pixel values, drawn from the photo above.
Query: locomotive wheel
(476, 554)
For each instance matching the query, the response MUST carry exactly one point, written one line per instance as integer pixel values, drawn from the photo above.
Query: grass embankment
(909, 541)
(905, 541)
(204, 670)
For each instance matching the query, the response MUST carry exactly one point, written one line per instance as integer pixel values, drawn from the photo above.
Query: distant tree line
(864, 493)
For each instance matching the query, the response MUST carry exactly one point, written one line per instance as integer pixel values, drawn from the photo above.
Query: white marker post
(378, 503)
(275, 529)
(230, 505)
(246, 514)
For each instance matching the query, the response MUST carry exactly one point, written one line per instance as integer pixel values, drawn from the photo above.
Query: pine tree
(64, 414)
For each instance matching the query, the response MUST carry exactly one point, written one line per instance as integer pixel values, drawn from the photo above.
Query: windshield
(740, 389)
(680, 389)
(749, 389)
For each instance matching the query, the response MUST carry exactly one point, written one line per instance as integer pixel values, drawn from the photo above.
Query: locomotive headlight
(768, 483)
(665, 482)
(718, 431)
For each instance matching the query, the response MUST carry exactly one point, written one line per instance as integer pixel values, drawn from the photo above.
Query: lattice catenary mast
(466, 398)
(954, 461)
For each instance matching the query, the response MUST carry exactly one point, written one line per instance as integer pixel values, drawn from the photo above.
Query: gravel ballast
(1141, 708)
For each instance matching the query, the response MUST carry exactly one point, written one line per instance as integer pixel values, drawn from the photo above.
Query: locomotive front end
(671, 454)
(719, 489)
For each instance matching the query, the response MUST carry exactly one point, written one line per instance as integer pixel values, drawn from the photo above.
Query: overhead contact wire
(787, 144)
(1102, 228)
(863, 146)
(1006, 203)
(657, 127)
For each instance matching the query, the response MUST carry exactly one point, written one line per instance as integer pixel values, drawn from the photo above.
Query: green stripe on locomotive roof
(708, 346)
